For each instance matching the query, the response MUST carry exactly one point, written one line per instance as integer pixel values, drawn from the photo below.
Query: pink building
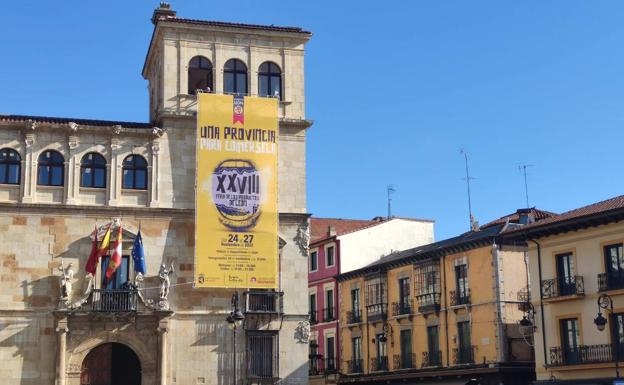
(338, 246)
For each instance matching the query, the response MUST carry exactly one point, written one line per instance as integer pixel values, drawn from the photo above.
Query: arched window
(51, 168)
(93, 170)
(199, 75)
(235, 77)
(10, 166)
(134, 173)
(270, 80)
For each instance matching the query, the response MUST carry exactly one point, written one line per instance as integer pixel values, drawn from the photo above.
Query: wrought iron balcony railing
(610, 281)
(563, 286)
(263, 302)
(405, 361)
(354, 316)
(403, 307)
(581, 354)
(460, 297)
(428, 302)
(114, 301)
(376, 312)
(355, 366)
(379, 364)
(313, 317)
(463, 355)
(433, 358)
(329, 365)
(329, 314)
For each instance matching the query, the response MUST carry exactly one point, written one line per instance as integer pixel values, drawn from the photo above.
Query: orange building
(444, 313)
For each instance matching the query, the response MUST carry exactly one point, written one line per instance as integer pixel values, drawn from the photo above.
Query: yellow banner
(236, 218)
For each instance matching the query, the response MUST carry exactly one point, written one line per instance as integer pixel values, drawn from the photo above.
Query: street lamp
(606, 302)
(235, 320)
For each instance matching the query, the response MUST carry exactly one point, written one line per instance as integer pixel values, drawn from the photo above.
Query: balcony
(610, 281)
(460, 297)
(354, 317)
(263, 302)
(313, 317)
(403, 307)
(355, 366)
(429, 302)
(562, 287)
(329, 314)
(379, 364)
(114, 301)
(376, 312)
(407, 361)
(582, 354)
(329, 366)
(433, 358)
(462, 356)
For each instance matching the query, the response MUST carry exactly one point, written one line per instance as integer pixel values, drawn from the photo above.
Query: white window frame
(330, 246)
(316, 250)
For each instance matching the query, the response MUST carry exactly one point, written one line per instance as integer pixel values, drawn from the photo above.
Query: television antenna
(523, 169)
(473, 224)
(390, 190)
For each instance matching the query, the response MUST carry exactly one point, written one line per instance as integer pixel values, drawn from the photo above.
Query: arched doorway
(111, 364)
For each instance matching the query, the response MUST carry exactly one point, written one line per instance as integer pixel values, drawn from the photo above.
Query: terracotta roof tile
(87, 122)
(319, 226)
(538, 215)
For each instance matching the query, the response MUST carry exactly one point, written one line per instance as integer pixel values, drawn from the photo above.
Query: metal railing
(329, 314)
(406, 361)
(379, 364)
(355, 366)
(581, 354)
(376, 311)
(463, 355)
(459, 297)
(562, 286)
(313, 317)
(329, 365)
(262, 357)
(428, 302)
(610, 281)
(263, 302)
(402, 307)
(524, 299)
(433, 358)
(354, 316)
(114, 301)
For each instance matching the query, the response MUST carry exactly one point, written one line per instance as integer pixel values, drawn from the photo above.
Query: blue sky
(395, 90)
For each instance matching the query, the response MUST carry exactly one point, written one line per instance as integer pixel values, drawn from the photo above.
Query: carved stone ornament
(73, 126)
(66, 283)
(155, 148)
(116, 129)
(29, 140)
(73, 141)
(157, 131)
(302, 332)
(303, 238)
(31, 124)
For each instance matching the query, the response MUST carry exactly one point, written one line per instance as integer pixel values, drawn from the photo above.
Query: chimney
(163, 12)
(331, 231)
(525, 216)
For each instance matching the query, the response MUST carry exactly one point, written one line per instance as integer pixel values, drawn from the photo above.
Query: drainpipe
(446, 330)
(539, 271)
(501, 346)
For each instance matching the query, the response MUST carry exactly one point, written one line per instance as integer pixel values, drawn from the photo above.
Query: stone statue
(165, 282)
(66, 285)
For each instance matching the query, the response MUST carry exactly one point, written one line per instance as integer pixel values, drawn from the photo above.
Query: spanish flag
(115, 259)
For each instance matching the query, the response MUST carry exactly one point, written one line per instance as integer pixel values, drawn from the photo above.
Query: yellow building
(575, 258)
(444, 313)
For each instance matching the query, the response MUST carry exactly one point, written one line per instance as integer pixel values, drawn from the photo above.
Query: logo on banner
(236, 193)
(239, 109)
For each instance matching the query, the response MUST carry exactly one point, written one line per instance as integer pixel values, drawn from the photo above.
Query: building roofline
(80, 121)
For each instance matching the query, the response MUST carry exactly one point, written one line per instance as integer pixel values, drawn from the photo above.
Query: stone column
(61, 330)
(70, 185)
(113, 177)
(219, 62)
(252, 71)
(153, 199)
(30, 169)
(163, 329)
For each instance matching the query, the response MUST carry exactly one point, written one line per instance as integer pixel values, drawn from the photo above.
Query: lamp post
(606, 302)
(234, 320)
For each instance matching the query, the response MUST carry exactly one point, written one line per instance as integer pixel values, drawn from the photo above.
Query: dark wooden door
(111, 364)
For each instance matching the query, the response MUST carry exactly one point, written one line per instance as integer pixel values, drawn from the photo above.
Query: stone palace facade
(60, 177)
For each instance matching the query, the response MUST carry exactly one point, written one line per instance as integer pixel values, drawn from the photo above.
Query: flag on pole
(91, 265)
(138, 254)
(115, 259)
(103, 249)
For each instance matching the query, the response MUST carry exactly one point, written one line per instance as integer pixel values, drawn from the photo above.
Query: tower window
(270, 80)
(199, 75)
(235, 77)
